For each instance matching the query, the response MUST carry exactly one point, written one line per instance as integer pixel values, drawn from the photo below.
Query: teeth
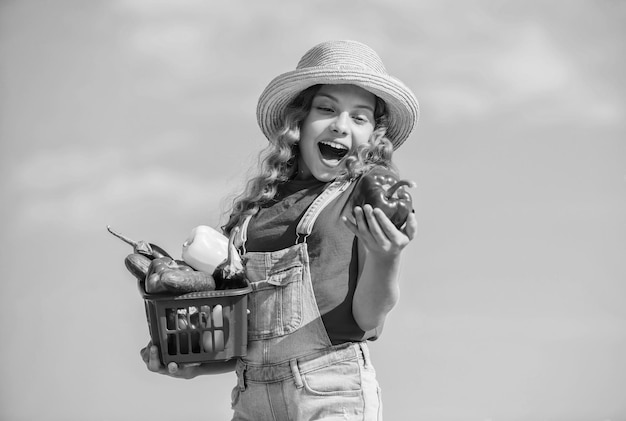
(334, 145)
(332, 150)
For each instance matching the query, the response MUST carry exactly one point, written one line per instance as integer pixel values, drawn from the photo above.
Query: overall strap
(305, 226)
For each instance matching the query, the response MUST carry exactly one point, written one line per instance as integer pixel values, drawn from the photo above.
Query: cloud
(527, 71)
(150, 188)
(178, 47)
(161, 7)
(79, 187)
(537, 73)
(48, 171)
(532, 66)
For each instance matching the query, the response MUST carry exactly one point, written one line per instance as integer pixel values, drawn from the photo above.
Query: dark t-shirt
(332, 251)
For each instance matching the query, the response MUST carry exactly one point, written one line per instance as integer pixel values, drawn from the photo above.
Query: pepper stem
(122, 237)
(390, 192)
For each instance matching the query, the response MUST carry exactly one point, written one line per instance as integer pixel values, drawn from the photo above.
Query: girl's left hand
(150, 356)
(377, 233)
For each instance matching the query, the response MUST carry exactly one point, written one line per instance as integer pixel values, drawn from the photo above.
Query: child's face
(341, 119)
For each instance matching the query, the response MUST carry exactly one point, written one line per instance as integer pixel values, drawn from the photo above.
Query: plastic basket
(200, 326)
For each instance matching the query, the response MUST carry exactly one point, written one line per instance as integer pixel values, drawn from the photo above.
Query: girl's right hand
(150, 356)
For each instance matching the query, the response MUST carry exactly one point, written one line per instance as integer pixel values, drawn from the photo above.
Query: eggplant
(230, 273)
(152, 251)
(138, 265)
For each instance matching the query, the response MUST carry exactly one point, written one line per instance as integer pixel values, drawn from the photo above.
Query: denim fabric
(276, 302)
(291, 371)
(338, 383)
(284, 320)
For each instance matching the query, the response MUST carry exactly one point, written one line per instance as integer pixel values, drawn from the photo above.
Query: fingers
(360, 220)
(145, 352)
(376, 230)
(154, 364)
(172, 368)
(150, 355)
(375, 219)
(386, 226)
(372, 221)
(364, 224)
(411, 226)
(357, 223)
(350, 223)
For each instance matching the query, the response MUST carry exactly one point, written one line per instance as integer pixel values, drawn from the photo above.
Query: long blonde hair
(278, 162)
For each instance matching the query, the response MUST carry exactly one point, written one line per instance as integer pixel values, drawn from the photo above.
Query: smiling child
(323, 279)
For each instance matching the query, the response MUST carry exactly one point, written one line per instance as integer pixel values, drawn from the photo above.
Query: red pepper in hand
(381, 189)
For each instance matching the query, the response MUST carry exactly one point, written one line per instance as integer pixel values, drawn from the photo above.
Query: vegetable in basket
(138, 265)
(152, 251)
(381, 189)
(230, 273)
(166, 275)
(205, 249)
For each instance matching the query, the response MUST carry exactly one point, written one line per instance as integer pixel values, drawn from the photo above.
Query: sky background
(140, 114)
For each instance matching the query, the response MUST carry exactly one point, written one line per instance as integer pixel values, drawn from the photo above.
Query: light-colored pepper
(205, 249)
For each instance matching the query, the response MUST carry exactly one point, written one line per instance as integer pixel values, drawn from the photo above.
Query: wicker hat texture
(340, 62)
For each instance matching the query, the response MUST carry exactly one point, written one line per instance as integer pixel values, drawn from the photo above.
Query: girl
(324, 275)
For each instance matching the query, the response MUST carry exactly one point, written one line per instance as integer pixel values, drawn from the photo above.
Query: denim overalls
(291, 370)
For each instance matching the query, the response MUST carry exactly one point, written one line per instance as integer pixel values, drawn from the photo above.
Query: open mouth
(332, 151)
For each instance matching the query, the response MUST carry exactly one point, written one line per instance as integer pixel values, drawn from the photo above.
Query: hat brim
(402, 106)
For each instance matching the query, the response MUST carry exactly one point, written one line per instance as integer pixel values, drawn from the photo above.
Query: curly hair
(278, 162)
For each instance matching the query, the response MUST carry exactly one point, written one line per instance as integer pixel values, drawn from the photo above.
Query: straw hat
(340, 62)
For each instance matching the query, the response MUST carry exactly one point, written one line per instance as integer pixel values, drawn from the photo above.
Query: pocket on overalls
(275, 304)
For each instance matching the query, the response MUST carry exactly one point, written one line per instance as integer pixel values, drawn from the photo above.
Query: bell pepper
(153, 279)
(382, 189)
(175, 276)
(205, 249)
